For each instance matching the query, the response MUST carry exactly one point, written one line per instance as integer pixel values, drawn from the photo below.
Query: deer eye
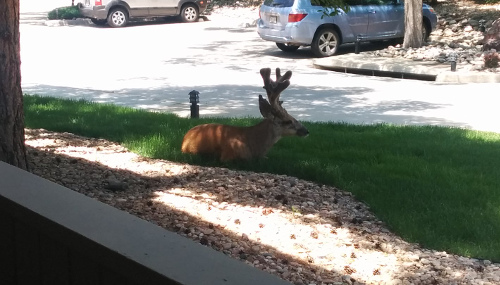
(288, 122)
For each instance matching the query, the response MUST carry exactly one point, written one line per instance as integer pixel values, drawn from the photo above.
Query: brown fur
(229, 142)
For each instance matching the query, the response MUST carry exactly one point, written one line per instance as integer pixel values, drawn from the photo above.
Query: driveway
(155, 66)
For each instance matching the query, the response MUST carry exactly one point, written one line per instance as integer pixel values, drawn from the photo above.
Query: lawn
(437, 186)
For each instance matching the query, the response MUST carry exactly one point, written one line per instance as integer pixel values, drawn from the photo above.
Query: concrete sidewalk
(402, 68)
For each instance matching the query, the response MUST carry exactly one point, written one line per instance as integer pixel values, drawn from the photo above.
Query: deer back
(229, 142)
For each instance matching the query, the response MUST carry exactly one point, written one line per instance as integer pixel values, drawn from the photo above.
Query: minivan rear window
(279, 3)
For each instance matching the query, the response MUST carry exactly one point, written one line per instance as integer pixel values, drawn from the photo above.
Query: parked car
(117, 13)
(294, 23)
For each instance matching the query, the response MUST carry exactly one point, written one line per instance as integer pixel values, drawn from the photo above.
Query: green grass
(436, 186)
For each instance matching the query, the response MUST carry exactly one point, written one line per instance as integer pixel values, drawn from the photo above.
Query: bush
(235, 3)
(66, 13)
(491, 59)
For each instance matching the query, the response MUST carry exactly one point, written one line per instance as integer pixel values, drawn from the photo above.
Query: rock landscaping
(458, 37)
(301, 231)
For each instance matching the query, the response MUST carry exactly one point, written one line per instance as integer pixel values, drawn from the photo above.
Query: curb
(467, 77)
(381, 66)
(401, 68)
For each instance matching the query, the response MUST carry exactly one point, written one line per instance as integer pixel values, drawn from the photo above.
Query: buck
(232, 142)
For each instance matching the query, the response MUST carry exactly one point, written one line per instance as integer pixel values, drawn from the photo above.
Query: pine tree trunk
(413, 24)
(12, 148)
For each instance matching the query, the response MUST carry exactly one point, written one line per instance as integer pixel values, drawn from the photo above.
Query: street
(155, 66)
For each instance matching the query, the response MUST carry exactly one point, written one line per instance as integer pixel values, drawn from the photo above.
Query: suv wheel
(426, 31)
(325, 42)
(118, 18)
(189, 13)
(287, 47)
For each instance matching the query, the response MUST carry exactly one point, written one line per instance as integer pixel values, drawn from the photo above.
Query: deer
(229, 143)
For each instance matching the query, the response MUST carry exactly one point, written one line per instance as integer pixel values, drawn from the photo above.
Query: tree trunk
(413, 24)
(12, 148)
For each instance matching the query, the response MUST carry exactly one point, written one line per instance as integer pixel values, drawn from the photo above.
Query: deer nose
(302, 132)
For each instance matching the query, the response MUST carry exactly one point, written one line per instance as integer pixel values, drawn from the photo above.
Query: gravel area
(298, 230)
(457, 37)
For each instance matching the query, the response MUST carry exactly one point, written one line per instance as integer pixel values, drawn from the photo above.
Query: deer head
(284, 124)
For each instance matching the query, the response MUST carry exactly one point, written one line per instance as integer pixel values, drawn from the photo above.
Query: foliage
(437, 186)
(331, 7)
(66, 13)
(491, 59)
(233, 3)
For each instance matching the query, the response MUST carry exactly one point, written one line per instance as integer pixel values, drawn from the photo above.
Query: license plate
(273, 19)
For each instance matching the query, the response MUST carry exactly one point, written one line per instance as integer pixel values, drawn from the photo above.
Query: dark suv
(116, 13)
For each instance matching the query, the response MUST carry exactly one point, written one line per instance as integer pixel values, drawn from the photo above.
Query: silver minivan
(117, 13)
(294, 23)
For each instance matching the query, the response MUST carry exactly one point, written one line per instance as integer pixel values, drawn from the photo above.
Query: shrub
(235, 3)
(491, 59)
(66, 13)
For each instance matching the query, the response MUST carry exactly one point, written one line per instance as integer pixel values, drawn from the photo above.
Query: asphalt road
(155, 66)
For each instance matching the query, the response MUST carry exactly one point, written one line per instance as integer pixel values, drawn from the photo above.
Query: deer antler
(273, 108)
(274, 88)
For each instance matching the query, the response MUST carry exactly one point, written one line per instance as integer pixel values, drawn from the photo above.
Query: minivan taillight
(292, 18)
(98, 2)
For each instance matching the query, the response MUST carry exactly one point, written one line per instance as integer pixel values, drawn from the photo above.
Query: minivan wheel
(118, 18)
(325, 42)
(189, 13)
(287, 47)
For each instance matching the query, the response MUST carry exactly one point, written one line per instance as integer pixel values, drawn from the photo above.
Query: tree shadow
(309, 103)
(295, 229)
(33, 18)
(306, 53)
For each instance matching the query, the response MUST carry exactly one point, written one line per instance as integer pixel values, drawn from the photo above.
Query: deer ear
(265, 108)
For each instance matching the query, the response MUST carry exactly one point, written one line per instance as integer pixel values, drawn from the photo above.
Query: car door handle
(372, 11)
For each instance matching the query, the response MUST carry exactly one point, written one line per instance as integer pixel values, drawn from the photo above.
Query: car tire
(189, 13)
(118, 18)
(426, 31)
(287, 47)
(99, 22)
(325, 42)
